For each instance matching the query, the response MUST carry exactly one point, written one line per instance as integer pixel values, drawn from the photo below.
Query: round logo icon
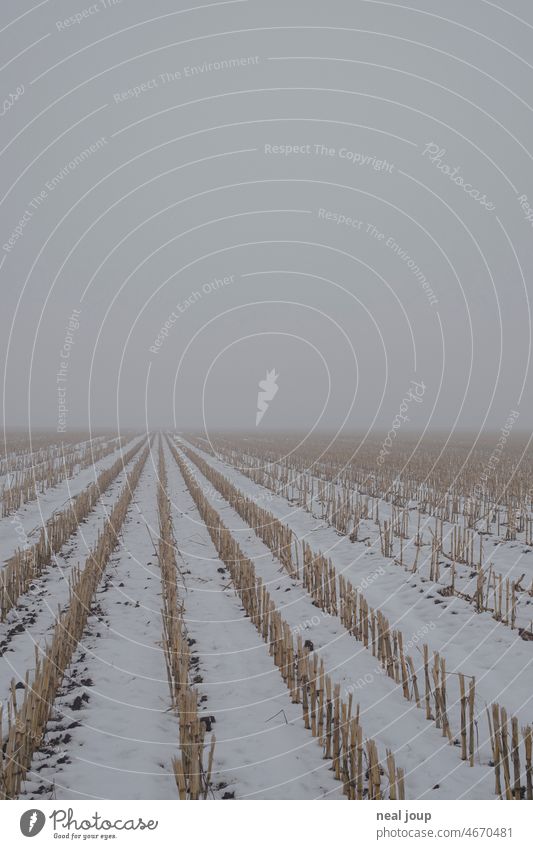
(32, 822)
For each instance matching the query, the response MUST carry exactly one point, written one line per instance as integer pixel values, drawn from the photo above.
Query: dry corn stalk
(365, 624)
(28, 564)
(324, 712)
(27, 721)
(192, 780)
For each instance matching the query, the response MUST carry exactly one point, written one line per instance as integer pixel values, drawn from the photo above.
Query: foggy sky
(196, 254)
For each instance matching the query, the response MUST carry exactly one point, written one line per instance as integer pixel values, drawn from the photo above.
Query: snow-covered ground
(433, 767)
(512, 559)
(30, 623)
(113, 733)
(262, 750)
(472, 643)
(23, 527)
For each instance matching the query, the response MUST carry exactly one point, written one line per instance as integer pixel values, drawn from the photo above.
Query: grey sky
(189, 210)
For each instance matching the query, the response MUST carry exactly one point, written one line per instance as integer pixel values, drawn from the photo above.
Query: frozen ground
(24, 525)
(112, 726)
(30, 623)
(113, 733)
(433, 767)
(262, 750)
(472, 643)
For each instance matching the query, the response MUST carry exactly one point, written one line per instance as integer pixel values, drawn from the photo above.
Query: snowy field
(113, 727)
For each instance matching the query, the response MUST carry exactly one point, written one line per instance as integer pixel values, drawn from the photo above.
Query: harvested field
(202, 621)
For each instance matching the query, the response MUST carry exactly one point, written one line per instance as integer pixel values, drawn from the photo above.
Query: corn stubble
(26, 722)
(336, 595)
(343, 494)
(193, 779)
(28, 564)
(332, 721)
(48, 468)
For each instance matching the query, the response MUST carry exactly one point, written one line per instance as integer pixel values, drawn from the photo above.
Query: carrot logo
(267, 391)
(32, 822)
